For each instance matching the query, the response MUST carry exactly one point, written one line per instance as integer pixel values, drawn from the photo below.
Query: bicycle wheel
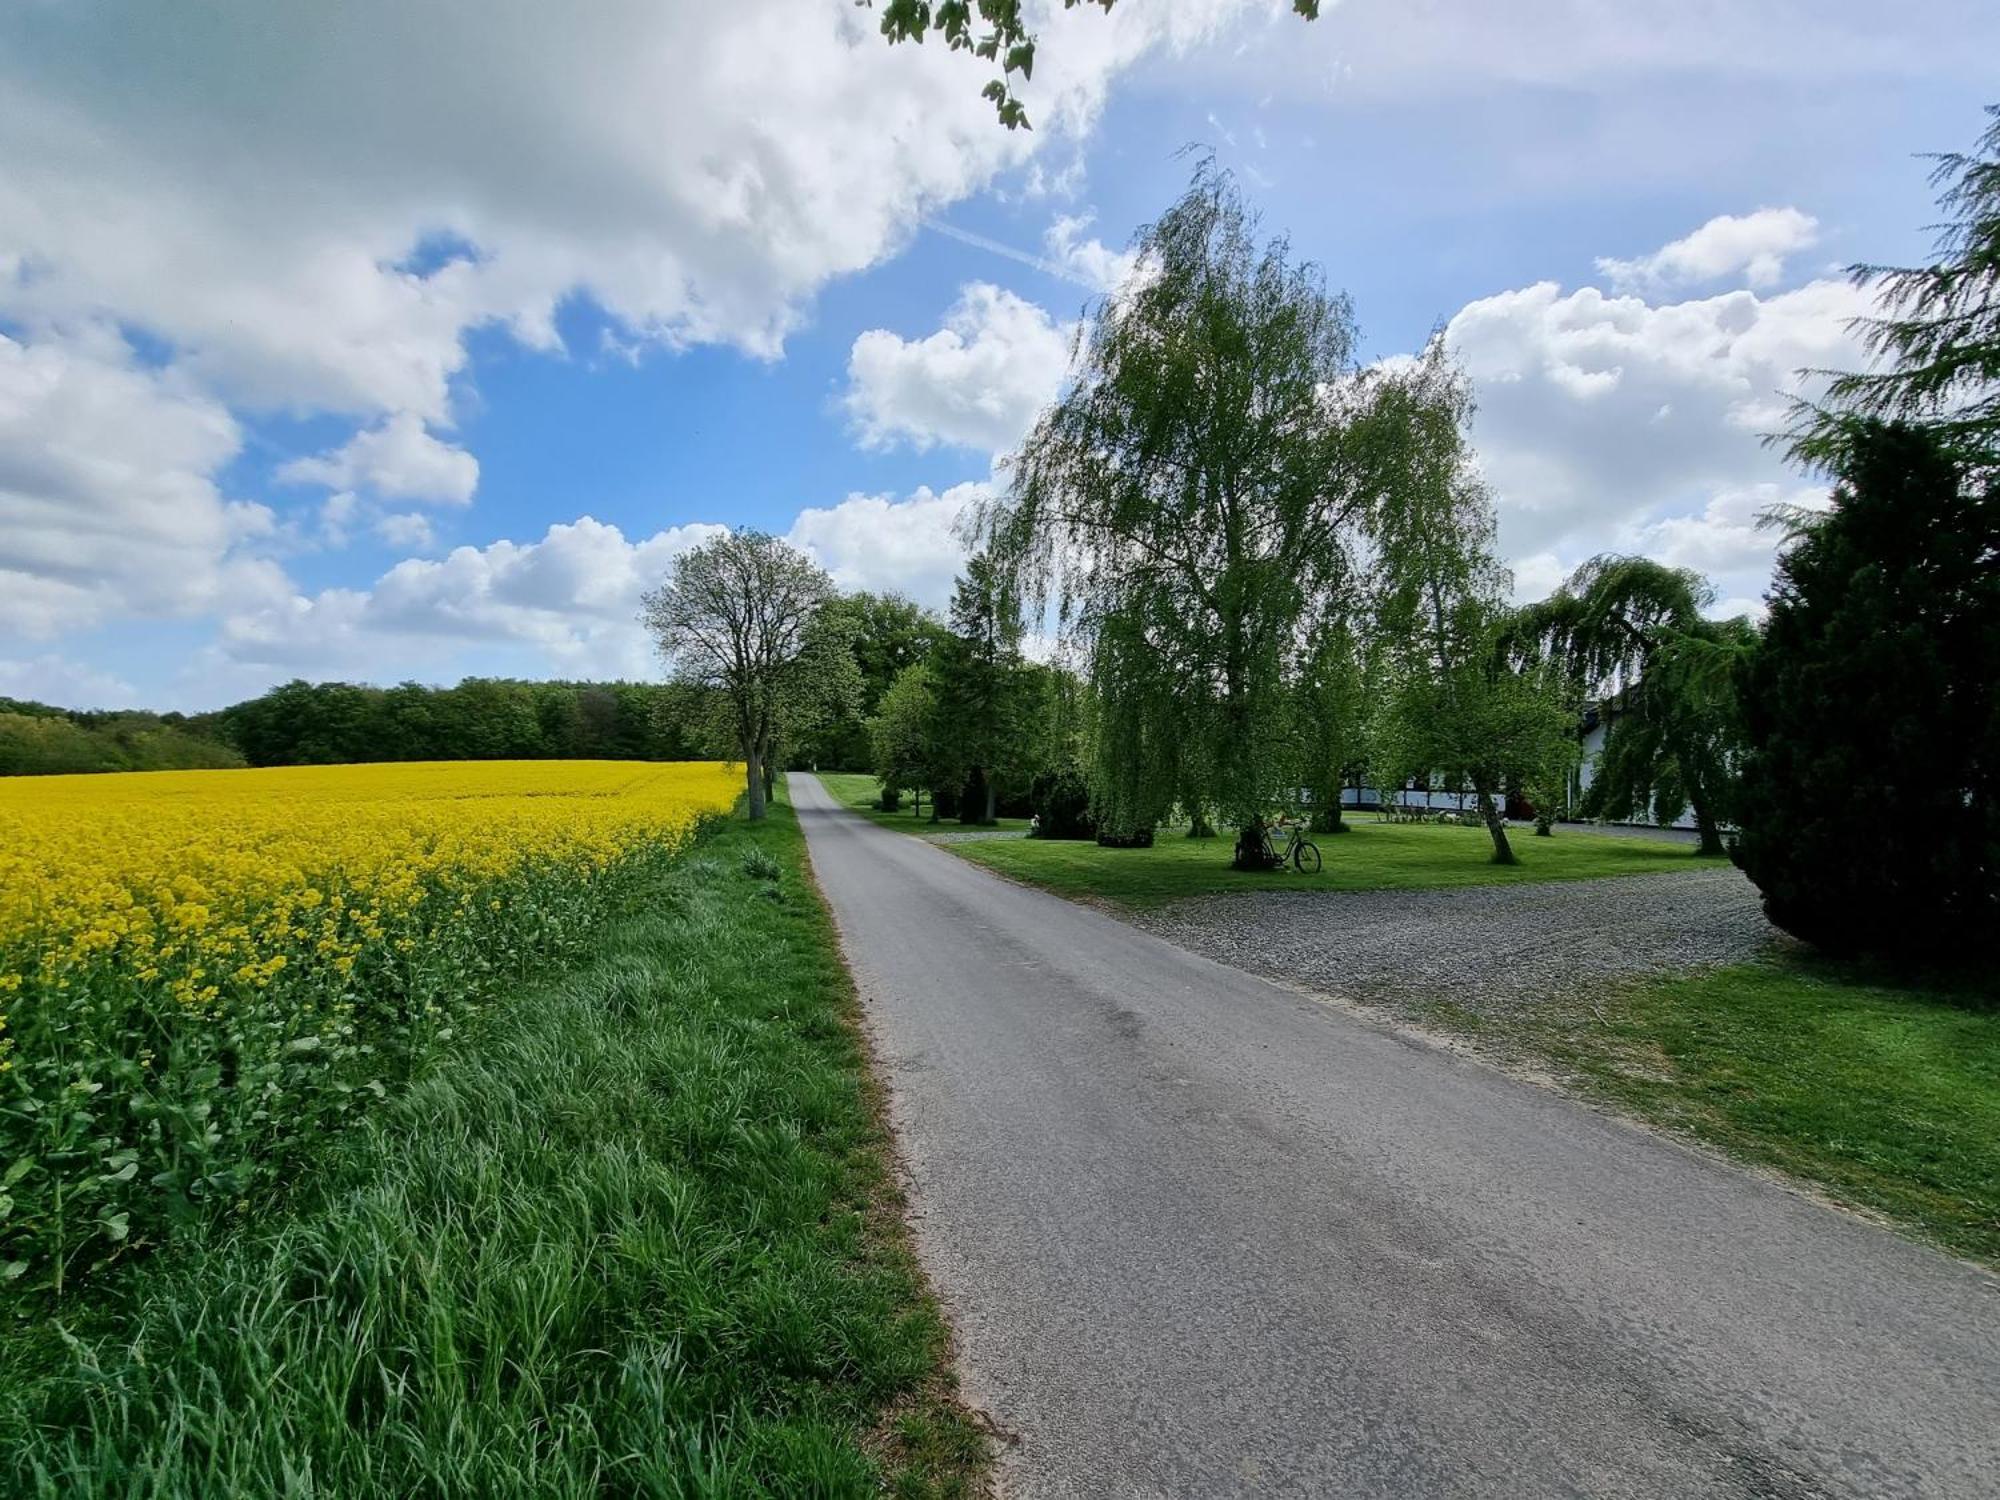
(1306, 857)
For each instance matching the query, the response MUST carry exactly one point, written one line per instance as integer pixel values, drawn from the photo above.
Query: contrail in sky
(1026, 257)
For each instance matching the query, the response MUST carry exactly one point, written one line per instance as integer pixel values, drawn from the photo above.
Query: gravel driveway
(1479, 946)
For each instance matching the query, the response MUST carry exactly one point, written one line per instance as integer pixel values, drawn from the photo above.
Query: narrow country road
(1203, 1237)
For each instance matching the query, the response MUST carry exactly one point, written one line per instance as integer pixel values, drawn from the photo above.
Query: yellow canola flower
(192, 879)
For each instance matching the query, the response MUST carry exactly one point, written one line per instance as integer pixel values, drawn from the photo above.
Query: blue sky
(416, 340)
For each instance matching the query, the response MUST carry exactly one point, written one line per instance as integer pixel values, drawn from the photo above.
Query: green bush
(1871, 790)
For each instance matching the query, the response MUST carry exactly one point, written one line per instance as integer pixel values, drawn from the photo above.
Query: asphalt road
(1204, 1237)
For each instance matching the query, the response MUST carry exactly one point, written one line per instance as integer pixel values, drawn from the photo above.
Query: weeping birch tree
(1453, 698)
(1633, 633)
(1195, 503)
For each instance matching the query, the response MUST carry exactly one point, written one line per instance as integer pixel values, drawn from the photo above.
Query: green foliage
(1940, 335)
(1452, 696)
(747, 620)
(635, 1235)
(1199, 503)
(993, 30)
(128, 1114)
(1632, 633)
(906, 734)
(1870, 802)
(1061, 801)
(886, 633)
(37, 740)
(482, 718)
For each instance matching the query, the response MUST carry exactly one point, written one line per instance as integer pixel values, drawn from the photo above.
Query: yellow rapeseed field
(198, 968)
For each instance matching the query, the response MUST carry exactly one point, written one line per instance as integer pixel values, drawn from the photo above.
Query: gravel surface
(974, 835)
(1480, 946)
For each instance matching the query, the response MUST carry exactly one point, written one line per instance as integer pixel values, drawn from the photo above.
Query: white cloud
(313, 209)
(566, 604)
(570, 599)
(398, 460)
(1090, 261)
(409, 530)
(108, 499)
(52, 678)
(978, 382)
(886, 545)
(1754, 245)
(1610, 423)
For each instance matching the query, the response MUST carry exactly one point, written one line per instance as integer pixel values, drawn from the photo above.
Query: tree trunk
(1250, 848)
(770, 781)
(1705, 825)
(1503, 852)
(990, 800)
(753, 766)
(1198, 825)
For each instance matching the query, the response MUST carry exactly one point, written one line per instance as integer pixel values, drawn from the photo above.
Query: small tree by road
(744, 615)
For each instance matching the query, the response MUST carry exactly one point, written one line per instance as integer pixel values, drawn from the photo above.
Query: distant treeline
(36, 739)
(329, 723)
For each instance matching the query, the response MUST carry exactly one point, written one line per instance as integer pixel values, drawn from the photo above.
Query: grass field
(631, 1232)
(859, 792)
(1369, 856)
(1883, 1092)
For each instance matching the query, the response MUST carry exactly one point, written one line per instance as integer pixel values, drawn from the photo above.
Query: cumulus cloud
(54, 678)
(1614, 423)
(1089, 260)
(978, 382)
(699, 171)
(397, 460)
(566, 603)
(409, 530)
(571, 599)
(109, 505)
(1754, 246)
(886, 545)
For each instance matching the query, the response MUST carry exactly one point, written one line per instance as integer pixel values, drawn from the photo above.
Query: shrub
(1139, 838)
(891, 799)
(1061, 801)
(1876, 680)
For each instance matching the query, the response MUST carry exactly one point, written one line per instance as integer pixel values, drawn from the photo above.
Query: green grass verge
(634, 1236)
(1370, 856)
(1884, 1093)
(854, 790)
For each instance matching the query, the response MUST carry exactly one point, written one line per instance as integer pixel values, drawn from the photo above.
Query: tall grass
(630, 1238)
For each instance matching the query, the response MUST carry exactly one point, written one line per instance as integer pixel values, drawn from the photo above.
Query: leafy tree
(985, 697)
(994, 30)
(1331, 726)
(1454, 699)
(888, 633)
(739, 615)
(904, 735)
(1940, 335)
(1195, 502)
(1632, 632)
(1870, 800)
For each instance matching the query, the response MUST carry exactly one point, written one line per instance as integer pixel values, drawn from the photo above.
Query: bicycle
(1300, 852)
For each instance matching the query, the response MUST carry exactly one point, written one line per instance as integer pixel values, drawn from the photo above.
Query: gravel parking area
(1487, 948)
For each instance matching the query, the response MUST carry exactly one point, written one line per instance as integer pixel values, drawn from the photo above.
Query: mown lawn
(1370, 856)
(859, 792)
(1884, 1092)
(632, 1234)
